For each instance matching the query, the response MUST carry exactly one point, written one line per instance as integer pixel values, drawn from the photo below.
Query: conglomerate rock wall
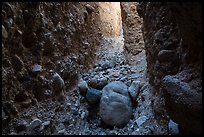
(39, 39)
(173, 44)
(132, 32)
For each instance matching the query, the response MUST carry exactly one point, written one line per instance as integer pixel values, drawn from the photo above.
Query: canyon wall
(132, 32)
(173, 44)
(110, 18)
(39, 39)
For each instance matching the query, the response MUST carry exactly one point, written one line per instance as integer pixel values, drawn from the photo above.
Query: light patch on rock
(141, 120)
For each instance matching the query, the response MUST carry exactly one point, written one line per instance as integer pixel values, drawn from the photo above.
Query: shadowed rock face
(189, 19)
(186, 102)
(176, 28)
(59, 37)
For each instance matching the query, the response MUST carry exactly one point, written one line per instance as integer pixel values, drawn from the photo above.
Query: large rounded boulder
(115, 104)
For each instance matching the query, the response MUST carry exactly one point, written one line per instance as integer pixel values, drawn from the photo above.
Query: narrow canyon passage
(101, 68)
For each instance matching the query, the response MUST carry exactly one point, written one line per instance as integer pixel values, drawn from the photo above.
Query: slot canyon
(101, 68)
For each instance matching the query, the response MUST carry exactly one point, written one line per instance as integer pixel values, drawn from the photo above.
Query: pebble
(115, 73)
(134, 89)
(102, 83)
(83, 115)
(37, 68)
(98, 69)
(141, 120)
(74, 111)
(61, 131)
(4, 116)
(89, 8)
(104, 80)
(173, 127)
(93, 83)
(46, 123)
(58, 84)
(105, 65)
(93, 96)
(35, 123)
(60, 128)
(83, 87)
(136, 132)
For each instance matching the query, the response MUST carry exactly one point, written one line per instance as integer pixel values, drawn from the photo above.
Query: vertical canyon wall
(173, 44)
(39, 38)
(132, 32)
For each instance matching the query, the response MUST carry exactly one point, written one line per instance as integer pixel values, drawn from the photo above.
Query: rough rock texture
(83, 87)
(180, 96)
(58, 86)
(160, 33)
(173, 128)
(115, 105)
(93, 96)
(134, 89)
(132, 23)
(172, 35)
(60, 37)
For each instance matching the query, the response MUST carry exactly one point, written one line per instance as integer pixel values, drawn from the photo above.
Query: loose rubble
(96, 106)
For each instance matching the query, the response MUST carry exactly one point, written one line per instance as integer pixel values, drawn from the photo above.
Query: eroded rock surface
(171, 33)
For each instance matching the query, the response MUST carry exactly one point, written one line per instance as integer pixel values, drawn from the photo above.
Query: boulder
(58, 84)
(83, 87)
(134, 89)
(167, 55)
(115, 104)
(93, 96)
(93, 83)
